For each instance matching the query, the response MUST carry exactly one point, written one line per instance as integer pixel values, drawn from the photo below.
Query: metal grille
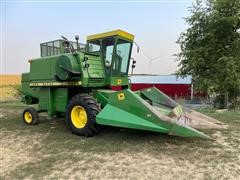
(96, 80)
(56, 47)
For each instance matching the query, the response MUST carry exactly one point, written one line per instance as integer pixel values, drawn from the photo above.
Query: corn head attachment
(152, 110)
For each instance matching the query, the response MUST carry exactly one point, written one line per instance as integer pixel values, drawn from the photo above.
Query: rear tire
(30, 116)
(81, 115)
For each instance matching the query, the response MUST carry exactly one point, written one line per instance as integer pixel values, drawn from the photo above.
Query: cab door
(108, 45)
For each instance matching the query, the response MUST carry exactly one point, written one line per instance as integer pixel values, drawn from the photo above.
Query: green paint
(60, 74)
(114, 116)
(157, 97)
(134, 112)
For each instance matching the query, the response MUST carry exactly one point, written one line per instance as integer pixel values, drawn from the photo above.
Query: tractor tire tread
(92, 108)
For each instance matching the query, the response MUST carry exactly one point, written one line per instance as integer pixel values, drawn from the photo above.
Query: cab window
(120, 64)
(108, 46)
(94, 46)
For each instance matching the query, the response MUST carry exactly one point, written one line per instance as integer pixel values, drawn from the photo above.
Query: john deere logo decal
(121, 96)
(119, 81)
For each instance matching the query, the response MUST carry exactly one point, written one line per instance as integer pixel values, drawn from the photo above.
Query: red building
(169, 84)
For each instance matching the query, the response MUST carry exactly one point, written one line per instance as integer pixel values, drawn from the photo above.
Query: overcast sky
(156, 26)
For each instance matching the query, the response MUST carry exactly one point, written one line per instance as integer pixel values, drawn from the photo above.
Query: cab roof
(118, 32)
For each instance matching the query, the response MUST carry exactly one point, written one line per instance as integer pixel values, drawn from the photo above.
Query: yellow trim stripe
(112, 33)
(69, 83)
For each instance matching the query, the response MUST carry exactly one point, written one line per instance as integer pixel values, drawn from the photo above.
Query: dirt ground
(49, 151)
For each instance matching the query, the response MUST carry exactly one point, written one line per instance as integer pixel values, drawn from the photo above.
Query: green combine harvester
(75, 81)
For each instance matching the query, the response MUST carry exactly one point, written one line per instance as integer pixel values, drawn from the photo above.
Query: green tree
(210, 47)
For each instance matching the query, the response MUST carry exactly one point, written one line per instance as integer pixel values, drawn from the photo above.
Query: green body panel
(68, 61)
(119, 81)
(102, 96)
(129, 110)
(114, 116)
(49, 99)
(46, 69)
(53, 100)
(158, 98)
(59, 99)
(43, 69)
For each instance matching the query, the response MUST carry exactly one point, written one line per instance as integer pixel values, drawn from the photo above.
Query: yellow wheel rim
(79, 116)
(28, 117)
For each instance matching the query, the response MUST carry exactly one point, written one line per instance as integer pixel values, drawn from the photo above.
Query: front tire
(30, 116)
(81, 115)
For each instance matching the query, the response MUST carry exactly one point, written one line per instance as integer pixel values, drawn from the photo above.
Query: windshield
(120, 63)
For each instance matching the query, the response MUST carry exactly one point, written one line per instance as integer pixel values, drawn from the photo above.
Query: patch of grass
(222, 116)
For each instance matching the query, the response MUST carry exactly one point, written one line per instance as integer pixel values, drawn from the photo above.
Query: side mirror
(138, 47)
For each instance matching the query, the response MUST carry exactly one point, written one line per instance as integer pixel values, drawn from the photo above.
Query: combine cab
(75, 81)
